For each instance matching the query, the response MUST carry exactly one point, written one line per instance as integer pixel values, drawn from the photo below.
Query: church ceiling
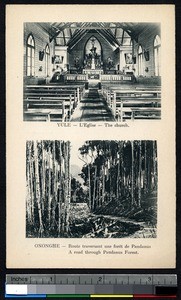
(117, 34)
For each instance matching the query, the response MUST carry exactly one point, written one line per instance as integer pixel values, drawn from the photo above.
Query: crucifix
(93, 52)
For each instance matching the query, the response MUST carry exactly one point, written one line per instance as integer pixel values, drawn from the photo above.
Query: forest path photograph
(91, 189)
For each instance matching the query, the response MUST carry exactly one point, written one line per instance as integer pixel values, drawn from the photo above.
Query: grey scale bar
(90, 289)
(85, 289)
(45, 289)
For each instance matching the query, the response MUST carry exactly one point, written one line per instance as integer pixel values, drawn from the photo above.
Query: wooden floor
(92, 108)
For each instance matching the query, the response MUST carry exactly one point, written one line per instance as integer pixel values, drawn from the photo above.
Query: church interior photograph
(98, 72)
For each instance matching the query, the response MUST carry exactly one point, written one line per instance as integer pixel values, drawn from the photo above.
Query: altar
(91, 72)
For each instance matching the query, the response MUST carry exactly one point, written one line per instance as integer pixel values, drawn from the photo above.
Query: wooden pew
(140, 113)
(134, 104)
(45, 114)
(78, 91)
(132, 92)
(131, 87)
(66, 104)
(55, 86)
(50, 102)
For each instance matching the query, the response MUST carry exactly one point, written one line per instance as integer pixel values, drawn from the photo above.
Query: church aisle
(92, 108)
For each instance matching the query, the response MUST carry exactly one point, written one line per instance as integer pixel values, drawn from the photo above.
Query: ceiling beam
(122, 38)
(59, 29)
(109, 35)
(64, 38)
(74, 39)
(77, 36)
(116, 32)
(109, 38)
(132, 29)
(78, 40)
(101, 34)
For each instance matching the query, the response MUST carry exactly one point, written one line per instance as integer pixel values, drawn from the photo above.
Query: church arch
(93, 49)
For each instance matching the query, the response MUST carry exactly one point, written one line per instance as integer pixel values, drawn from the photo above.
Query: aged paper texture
(105, 245)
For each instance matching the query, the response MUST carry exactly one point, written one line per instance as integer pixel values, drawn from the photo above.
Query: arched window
(47, 61)
(157, 55)
(30, 56)
(93, 54)
(140, 60)
(93, 45)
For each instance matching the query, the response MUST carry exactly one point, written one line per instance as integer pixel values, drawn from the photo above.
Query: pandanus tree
(115, 170)
(48, 187)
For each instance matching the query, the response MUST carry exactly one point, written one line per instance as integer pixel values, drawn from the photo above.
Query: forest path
(147, 230)
(92, 108)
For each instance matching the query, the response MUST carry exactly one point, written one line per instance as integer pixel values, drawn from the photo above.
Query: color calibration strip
(93, 286)
(82, 297)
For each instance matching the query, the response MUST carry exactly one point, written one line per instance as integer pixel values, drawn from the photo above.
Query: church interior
(81, 72)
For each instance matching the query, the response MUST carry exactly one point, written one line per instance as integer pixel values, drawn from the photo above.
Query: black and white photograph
(91, 189)
(92, 71)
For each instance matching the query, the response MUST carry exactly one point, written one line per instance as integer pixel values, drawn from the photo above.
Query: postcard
(90, 136)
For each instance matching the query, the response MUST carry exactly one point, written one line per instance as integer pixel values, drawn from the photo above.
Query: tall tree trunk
(103, 184)
(145, 172)
(118, 172)
(41, 229)
(31, 184)
(94, 204)
(60, 193)
(49, 185)
(28, 187)
(111, 177)
(149, 169)
(110, 185)
(68, 186)
(121, 192)
(53, 221)
(43, 176)
(98, 192)
(132, 173)
(56, 189)
(139, 174)
(89, 183)
(154, 184)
